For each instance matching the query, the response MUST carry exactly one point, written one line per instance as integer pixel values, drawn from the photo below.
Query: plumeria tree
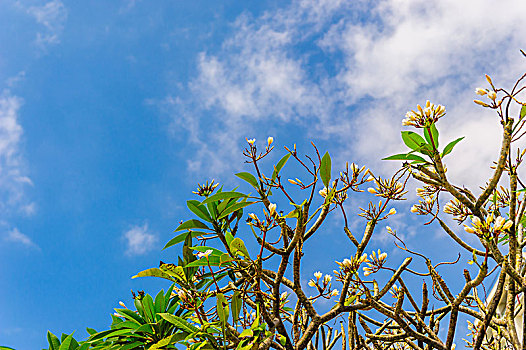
(240, 283)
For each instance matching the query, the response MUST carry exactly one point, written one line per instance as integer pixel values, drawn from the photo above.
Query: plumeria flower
(312, 283)
(334, 292)
(253, 216)
(327, 278)
(371, 190)
(272, 208)
(318, 275)
(414, 209)
(205, 254)
(251, 141)
(481, 91)
(323, 192)
(492, 95)
(392, 211)
(270, 139)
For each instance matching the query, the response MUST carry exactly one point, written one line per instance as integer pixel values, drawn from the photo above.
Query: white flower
(270, 139)
(312, 283)
(334, 292)
(205, 254)
(251, 141)
(481, 91)
(327, 278)
(382, 256)
(122, 304)
(283, 295)
(253, 216)
(414, 209)
(323, 192)
(318, 274)
(392, 211)
(492, 95)
(272, 208)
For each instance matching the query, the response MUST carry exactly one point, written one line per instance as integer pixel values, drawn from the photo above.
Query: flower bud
(414, 209)
(371, 190)
(312, 283)
(481, 91)
(270, 139)
(272, 208)
(479, 102)
(492, 95)
(392, 211)
(468, 229)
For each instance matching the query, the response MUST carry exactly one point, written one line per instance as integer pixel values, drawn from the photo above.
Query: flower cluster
(424, 117)
(484, 228)
(375, 263)
(459, 211)
(323, 285)
(490, 94)
(351, 265)
(429, 195)
(206, 189)
(387, 188)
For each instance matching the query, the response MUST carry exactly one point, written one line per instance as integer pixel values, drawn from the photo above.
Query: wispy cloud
(52, 16)
(339, 67)
(139, 240)
(15, 236)
(13, 173)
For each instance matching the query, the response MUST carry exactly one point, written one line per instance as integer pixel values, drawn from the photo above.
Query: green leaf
(180, 238)
(247, 333)
(248, 177)
(54, 342)
(282, 340)
(280, 165)
(213, 260)
(159, 301)
(237, 245)
(153, 272)
(173, 270)
(234, 208)
(325, 169)
(413, 140)
(523, 111)
(450, 146)
(66, 343)
(198, 209)
(405, 156)
(203, 249)
(229, 237)
(434, 133)
(222, 196)
(235, 305)
(181, 323)
(225, 259)
(5, 348)
(130, 315)
(222, 308)
(191, 224)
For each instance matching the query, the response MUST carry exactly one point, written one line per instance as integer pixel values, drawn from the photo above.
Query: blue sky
(111, 112)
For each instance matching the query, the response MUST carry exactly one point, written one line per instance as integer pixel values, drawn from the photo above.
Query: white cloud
(139, 240)
(13, 175)
(349, 71)
(52, 16)
(14, 235)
